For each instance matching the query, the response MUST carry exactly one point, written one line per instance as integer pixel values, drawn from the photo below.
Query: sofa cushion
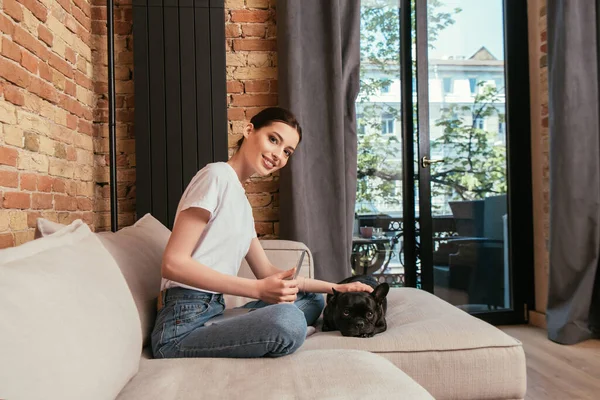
(449, 352)
(138, 251)
(69, 326)
(324, 374)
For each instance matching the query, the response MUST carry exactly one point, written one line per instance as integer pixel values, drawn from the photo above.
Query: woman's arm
(179, 266)
(317, 286)
(261, 267)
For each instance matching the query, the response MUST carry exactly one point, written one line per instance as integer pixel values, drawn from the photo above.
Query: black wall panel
(180, 98)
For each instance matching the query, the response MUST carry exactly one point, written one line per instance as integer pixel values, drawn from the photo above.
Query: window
(388, 124)
(501, 128)
(479, 123)
(360, 126)
(473, 85)
(385, 88)
(448, 85)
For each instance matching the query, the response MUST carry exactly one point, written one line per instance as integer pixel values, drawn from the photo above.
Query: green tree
(474, 164)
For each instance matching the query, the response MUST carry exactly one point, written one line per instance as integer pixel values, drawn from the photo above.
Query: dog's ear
(380, 292)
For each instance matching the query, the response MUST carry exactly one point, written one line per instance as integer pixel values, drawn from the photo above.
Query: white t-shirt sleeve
(204, 192)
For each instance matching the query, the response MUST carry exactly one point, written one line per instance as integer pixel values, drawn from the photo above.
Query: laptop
(236, 312)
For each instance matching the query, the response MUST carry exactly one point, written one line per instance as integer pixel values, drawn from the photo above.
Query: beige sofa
(77, 309)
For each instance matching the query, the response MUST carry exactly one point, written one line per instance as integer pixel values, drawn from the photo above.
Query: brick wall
(54, 158)
(46, 115)
(124, 93)
(251, 86)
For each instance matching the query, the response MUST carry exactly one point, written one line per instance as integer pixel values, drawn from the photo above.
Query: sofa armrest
(284, 255)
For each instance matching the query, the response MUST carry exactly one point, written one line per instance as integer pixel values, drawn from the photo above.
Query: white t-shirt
(226, 238)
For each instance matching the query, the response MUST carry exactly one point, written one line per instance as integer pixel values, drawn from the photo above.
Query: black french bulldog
(357, 314)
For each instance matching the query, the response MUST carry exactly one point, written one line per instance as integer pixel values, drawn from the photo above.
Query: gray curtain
(573, 300)
(318, 44)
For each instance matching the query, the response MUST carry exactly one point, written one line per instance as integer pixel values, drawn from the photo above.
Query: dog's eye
(369, 314)
(346, 312)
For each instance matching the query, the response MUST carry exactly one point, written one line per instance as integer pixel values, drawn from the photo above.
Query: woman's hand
(353, 287)
(278, 288)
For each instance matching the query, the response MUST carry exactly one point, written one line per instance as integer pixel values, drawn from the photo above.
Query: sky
(478, 24)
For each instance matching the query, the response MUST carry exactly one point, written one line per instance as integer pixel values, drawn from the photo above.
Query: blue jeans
(271, 330)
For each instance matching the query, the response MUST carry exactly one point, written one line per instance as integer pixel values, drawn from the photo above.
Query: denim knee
(289, 324)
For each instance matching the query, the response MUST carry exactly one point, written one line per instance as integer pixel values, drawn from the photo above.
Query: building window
(388, 124)
(501, 128)
(448, 85)
(360, 124)
(473, 85)
(479, 123)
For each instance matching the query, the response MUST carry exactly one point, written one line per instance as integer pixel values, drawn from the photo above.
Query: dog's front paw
(367, 335)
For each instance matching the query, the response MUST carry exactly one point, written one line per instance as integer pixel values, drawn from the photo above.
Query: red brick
(253, 30)
(11, 50)
(79, 15)
(17, 200)
(32, 217)
(70, 55)
(6, 25)
(72, 121)
(36, 8)
(45, 72)
(123, 27)
(86, 127)
(71, 153)
(235, 114)
(59, 186)
(256, 86)
(28, 182)
(8, 156)
(235, 87)
(544, 48)
(99, 27)
(545, 122)
(45, 35)
(254, 45)
(14, 73)
(22, 37)
(64, 203)
(29, 61)
(250, 16)
(45, 183)
(9, 178)
(544, 36)
(71, 23)
(7, 240)
(263, 228)
(66, 4)
(12, 8)
(84, 6)
(14, 95)
(274, 87)
(83, 80)
(70, 88)
(85, 204)
(60, 65)
(44, 90)
(41, 201)
(246, 100)
(99, 13)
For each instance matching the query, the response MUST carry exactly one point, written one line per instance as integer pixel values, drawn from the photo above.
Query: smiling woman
(213, 232)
